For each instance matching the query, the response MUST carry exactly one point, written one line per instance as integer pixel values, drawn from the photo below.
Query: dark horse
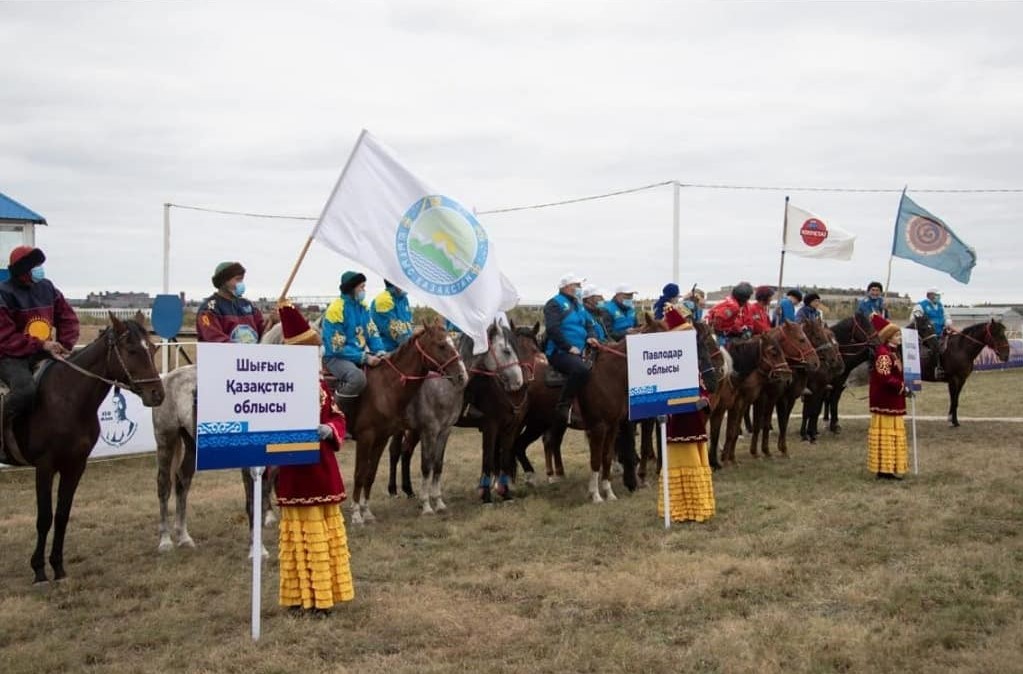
(817, 383)
(856, 339)
(389, 389)
(58, 435)
(961, 350)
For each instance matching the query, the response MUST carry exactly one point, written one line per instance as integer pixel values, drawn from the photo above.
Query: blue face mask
(239, 289)
(38, 274)
(360, 296)
(627, 303)
(579, 294)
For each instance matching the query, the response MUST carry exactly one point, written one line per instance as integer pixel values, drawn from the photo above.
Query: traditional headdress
(885, 329)
(350, 280)
(677, 317)
(296, 328)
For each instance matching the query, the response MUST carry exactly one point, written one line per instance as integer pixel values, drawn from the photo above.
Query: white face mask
(239, 289)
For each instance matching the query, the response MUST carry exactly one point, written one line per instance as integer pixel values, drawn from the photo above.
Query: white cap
(626, 289)
(570, 278)
(589, 290)
(933, 291)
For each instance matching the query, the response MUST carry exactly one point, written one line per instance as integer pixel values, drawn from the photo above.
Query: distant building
(118, 300)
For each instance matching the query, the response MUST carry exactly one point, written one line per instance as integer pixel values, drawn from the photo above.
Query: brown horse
(961, 349)
(801, 356)
(755, 362)
(389, 389)
(713, 370)
(604, 400)
(58, 435)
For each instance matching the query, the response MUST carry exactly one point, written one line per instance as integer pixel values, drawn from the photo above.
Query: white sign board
(911, 359)
(664, 375)
(258, 405)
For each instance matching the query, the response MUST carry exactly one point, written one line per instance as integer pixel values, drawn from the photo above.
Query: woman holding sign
(690, 484)
(886, 440)
(314, 560)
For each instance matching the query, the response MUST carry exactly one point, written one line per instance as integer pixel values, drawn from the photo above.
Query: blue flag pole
(895, 233)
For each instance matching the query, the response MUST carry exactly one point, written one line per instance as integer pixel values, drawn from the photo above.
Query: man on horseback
(669, 296)
(730, 317)
(811, 309)
(393, 316)
(31, 309)
(569, 330)
(786, 310)
(226, 316)
(624, 320)
(760, 311)
(934, 310)
(873, 303)
(350, 341)
(593, 299)
(694, 301)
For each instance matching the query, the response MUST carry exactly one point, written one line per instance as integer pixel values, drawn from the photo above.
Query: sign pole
(916, 465)
(257, 547)
(662, 428)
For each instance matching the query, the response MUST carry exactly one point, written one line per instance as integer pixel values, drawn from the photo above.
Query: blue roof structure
(12, 210)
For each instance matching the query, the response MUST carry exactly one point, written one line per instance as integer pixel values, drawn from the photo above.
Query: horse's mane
(133, 327)
(745, 355)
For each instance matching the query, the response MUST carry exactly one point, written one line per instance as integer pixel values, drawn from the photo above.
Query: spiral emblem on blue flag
(926, 237)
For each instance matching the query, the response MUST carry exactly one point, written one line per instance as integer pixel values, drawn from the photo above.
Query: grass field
(810, 565)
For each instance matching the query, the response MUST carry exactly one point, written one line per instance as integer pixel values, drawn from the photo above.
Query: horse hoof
(410, 494)
(186, 542)
(270, 518)
(554, 479)
(530, 479)
(813, 440)
(165, 545)
(616, 468)
(427, 510)
(368, 516)
(596, 498)
(440, 506)
(357, 518)
(41, 584)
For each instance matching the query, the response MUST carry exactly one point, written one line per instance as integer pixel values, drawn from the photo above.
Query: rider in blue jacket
(569, 329)
(786, 310)
(873, 303)
(393, 316)
(623, 314)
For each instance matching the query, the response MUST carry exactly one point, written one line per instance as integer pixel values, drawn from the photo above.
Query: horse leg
(757, 428)
(65, 498)
(371, 472)
(529, 434)
(167, 446)
(394, 456)
(426, 466)
(832, 408)
(269, 482)
(646, 448)
(552, 443)
(955, 387)
(625, 448)
(44, 519)
(784, 409)
(596, 437)
(607, 453)
(361, 449)
(409, 441)
(185, 473)
(716, 417)
(440, 447)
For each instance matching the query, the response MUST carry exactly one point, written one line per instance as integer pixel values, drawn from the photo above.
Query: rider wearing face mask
(226, 316)
(393, 316)
(623, 314)
(31, 310)
(569, 329)
(350, 340)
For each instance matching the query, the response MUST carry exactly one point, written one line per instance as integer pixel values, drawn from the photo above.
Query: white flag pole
(662, 426)
(257, 547)
(337, 186)
(916, 465)
(784, 238)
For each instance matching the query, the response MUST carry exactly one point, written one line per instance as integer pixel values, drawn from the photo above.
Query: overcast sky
(110, 109)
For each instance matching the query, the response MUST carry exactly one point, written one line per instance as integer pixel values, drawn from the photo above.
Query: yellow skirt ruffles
(690, 483)
(315, 565)
(886, 444)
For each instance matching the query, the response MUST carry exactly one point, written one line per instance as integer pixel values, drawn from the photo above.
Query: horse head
(438, 351)
(711, 358)
(928, 338)
(527, 343)
(799, 352)
(824, 343)
(772, 361)
(997, 340)
(133, 368)
(501, 359)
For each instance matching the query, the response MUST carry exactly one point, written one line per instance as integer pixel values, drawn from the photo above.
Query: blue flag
(927, 240)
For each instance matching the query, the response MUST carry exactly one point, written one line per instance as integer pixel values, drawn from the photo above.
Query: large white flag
(809, 236)
(384, 217)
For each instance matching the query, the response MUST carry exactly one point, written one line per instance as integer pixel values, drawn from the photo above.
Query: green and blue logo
(441, 246)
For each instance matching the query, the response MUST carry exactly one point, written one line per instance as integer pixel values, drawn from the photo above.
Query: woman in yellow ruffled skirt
(886, 440)
(315, 566)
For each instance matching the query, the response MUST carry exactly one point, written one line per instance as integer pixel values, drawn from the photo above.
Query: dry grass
(809, 566)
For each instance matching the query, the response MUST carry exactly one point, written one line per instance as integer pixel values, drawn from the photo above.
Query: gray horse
(438, 405)
(174, 428)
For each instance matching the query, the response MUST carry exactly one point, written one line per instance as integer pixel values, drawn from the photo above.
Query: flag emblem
(813, 232)
(440, 245)
(926, 237)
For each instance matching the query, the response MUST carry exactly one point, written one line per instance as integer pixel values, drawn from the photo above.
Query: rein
(132, 384)
(803, 353)
(439, 367)
(610, 349)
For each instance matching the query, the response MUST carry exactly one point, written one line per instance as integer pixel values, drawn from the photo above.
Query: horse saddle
(9, 452)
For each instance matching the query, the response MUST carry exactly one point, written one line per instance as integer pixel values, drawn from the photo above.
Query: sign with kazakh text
(258, 405)
(664, 374)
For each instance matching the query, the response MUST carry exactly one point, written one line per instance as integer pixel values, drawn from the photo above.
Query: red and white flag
(807, 235)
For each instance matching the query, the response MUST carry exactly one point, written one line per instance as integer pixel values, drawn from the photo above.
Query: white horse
(174, 428)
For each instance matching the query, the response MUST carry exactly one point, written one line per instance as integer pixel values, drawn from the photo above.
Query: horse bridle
(772, 371)
(803, 353)
(439, 367)
(498, 369)
(133, 384)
